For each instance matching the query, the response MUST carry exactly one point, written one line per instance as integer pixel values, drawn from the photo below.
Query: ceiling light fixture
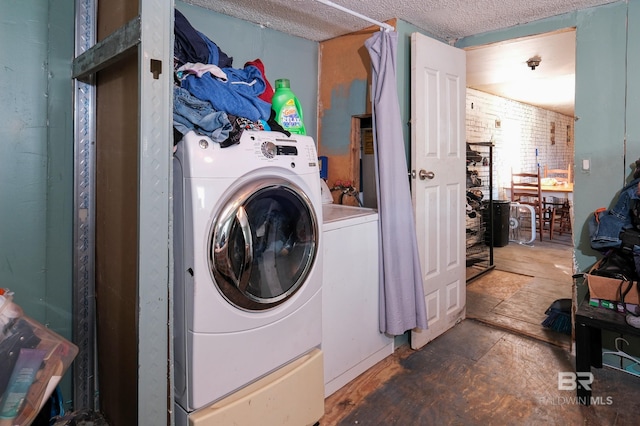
(534, 62)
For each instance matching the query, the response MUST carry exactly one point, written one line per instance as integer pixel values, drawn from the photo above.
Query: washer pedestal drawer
(292, 395)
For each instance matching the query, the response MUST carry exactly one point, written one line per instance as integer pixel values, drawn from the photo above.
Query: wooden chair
(562, 175)
(560, 218)
(526, 188)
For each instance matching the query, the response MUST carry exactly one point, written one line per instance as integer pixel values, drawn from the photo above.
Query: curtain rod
(382, 25)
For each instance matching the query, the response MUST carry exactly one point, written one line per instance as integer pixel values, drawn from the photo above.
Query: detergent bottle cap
(282, 83)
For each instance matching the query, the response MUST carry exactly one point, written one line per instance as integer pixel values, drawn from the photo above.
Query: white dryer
(248, 261)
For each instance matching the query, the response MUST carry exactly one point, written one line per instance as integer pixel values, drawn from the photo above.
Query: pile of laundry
(210, 96)
(615, 232)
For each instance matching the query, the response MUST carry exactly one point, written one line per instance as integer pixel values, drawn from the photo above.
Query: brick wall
(517, 131)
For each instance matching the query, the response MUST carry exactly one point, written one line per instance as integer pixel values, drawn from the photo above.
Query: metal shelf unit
(479, 220)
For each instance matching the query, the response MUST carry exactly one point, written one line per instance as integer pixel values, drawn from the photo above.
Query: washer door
(263, 244)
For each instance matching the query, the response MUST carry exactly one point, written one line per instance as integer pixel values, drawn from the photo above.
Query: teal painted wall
(23, 175)
(607, 103)
(283, 56)
(632, 122)
(336, 122)
(36, 157)
(36, 160)
(60, 151)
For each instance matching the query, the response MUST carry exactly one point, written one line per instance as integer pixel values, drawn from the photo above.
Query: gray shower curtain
(402, 304)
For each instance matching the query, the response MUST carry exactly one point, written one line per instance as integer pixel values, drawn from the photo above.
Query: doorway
(520, 97)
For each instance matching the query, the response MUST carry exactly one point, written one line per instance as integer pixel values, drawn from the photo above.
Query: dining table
(559, 190)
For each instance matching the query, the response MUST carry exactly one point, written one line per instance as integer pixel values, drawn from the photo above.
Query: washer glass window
(264, 244)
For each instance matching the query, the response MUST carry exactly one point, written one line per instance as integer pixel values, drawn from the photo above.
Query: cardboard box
(609, 289)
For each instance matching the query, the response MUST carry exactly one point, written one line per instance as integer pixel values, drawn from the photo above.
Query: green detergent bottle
(288, 110)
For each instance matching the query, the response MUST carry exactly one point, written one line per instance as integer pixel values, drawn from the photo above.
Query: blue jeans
(191, 113)
(605, 226)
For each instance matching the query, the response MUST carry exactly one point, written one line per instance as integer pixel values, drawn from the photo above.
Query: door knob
(426, 175)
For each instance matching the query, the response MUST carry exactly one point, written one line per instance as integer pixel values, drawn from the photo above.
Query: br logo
(568, 380)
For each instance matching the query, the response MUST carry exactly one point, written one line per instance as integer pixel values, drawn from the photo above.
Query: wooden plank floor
(551, 259)
(525, 281)
(477, 374)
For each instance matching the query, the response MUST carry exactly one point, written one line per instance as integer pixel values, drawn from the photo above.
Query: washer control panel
(205, 158)
(270, 149)
(276, 147)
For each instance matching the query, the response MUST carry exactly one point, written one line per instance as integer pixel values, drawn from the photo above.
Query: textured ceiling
(499, 69)
(446, 19)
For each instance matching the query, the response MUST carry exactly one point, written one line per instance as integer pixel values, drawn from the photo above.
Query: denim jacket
(605, 226)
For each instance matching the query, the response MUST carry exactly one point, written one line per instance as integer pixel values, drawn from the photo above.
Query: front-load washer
(247, 261)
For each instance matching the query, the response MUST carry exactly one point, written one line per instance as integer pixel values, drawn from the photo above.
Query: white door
(438, 90)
